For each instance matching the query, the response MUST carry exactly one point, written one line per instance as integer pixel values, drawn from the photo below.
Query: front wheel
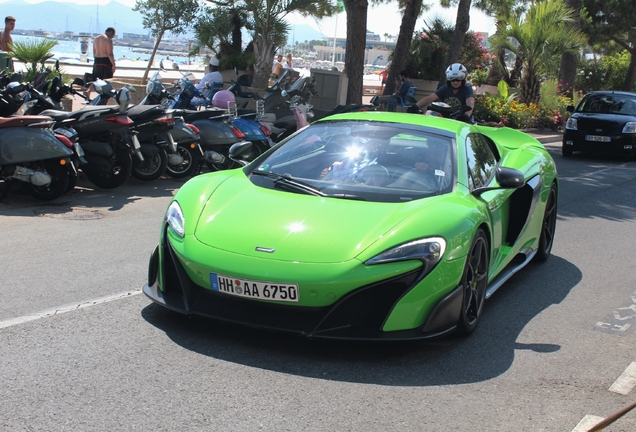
(154, 164)
(191, 156)
(566, 150)
(473, 284)
(59, 182)
(112, 172)
(546, 239)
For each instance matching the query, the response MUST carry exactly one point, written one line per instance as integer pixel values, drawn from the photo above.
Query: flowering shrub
(427, 54)
(519, 115)
(607, 73)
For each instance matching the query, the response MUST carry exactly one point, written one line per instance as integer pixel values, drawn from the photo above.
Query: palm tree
(270, 28)
(33, 53)
(538, 39)
(411, 10)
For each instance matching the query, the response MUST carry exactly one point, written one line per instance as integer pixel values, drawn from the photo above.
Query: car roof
(610, 92)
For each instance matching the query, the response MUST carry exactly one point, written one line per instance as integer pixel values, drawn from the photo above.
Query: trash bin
(6, 61)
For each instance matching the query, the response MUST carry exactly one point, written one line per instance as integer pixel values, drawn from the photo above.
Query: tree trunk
(630, 77)
(569, 61)
(401, 51)
(498, 70)
(152, 56)
(264, 51)
(530, 86)
(356, 45)
(462, 23)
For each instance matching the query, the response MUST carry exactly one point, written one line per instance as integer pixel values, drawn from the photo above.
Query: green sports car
(366, 225)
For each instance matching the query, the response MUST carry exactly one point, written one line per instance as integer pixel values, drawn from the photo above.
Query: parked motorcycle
(185, 135)
(103, 132)
(30, 152)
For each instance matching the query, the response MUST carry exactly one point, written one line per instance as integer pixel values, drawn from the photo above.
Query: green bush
(607, 73)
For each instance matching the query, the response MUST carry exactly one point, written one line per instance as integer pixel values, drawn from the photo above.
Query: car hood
(242, 218)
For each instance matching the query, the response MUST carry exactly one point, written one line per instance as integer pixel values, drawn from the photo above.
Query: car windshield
(609, 104)
(383, 162)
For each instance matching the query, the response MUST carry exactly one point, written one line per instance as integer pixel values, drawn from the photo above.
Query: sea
(66, 49)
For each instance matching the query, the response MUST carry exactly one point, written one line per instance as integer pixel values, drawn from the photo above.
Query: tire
(548, 227)
(154, 164)
(72, 181)
(121, 167)
(59, 182)
(566, 150)
(473, 284)
(188, 166)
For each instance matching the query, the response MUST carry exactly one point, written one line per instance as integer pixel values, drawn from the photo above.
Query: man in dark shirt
(456, 93)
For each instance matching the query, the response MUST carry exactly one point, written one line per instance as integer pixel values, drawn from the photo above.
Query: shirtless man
(104, 63)
(5, 35)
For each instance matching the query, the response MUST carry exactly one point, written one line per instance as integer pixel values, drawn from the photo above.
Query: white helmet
(456, 71)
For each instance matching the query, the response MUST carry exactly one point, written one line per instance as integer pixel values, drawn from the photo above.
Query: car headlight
(630, 127)
(571, 124)
(428, 250)
(174, 217)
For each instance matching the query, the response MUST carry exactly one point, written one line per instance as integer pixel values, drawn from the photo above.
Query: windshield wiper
(285, 180)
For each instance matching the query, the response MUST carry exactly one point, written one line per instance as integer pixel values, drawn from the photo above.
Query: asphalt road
(82, 349)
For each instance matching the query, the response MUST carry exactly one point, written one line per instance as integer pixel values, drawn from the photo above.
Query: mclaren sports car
(367, 226)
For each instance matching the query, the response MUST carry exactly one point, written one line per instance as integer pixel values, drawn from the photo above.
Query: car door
(482, 159)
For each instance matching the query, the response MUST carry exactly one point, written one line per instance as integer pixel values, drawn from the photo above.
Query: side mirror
(570, 108)
(175, 66)
(508, 178)
(241, 152)
(57, 65)
(161, 65)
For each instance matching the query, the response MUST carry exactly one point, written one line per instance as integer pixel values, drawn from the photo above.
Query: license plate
(78, 149)
(254, 289)
(598, 138)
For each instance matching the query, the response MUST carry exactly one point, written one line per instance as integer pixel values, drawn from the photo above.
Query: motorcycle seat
(145, 112)
(22, 121)
(63, 115)
(191, 115)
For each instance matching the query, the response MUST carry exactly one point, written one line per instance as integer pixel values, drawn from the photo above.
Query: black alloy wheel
(474, 283)
(548, 228)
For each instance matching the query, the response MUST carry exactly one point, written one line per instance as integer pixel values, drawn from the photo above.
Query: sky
(380, 20)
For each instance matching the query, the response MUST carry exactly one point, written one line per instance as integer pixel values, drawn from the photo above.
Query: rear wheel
(546, 239)
(154, 164)
(119, 169)
(474, 283)
(59, 182)
(186, 168)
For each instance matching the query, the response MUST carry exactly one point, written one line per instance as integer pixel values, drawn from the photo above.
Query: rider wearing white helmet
(456, 92)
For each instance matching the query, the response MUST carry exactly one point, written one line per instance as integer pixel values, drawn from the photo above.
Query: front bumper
(359, 315)
(621, 144)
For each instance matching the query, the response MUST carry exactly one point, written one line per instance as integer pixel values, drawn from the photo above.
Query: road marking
(626, 382)
(66, 308)
(587, 423)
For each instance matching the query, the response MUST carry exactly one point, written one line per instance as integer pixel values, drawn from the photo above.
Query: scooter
(103, 132)
(185, 135)
(31, 153)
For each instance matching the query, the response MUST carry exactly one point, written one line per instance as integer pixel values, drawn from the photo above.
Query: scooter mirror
(175, 66)
(284, 93)
(161, 65)
(57, 65)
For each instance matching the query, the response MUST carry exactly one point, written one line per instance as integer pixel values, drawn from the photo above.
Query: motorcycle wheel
(72, 182)
(121, 167)
(59, 182)
(189, 164)
(153, 166)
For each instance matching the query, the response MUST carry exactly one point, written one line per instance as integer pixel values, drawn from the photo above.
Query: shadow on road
(85, 195)
(488, 353)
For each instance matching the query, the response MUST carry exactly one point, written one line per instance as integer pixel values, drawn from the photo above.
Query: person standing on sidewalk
(5, 35)
(104, 63)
